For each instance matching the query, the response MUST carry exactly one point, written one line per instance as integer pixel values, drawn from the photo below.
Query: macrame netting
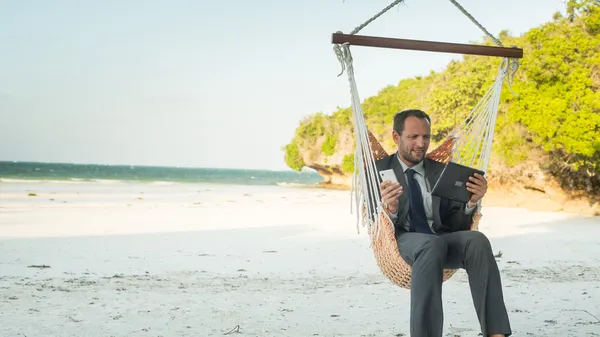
(468, 144)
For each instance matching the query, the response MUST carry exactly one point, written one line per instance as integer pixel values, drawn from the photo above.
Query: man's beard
(411, 157)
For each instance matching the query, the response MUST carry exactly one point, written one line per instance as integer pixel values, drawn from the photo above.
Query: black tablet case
(452, 183)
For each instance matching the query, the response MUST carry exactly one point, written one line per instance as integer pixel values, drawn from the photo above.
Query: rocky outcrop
(333, 175)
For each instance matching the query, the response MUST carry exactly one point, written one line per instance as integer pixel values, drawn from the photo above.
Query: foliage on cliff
(557, 110)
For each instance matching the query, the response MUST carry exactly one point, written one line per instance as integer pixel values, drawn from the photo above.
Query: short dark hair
(401, 117)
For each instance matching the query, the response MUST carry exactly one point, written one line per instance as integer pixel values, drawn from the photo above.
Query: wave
(288, 184)
(60, 181)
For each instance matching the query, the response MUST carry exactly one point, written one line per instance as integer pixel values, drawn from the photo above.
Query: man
(433, 233)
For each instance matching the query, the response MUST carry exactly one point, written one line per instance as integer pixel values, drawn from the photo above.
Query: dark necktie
(418, 219)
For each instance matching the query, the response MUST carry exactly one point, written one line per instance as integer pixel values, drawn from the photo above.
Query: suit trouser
(429, 254)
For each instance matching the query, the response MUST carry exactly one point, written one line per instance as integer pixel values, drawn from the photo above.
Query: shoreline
(497, 196)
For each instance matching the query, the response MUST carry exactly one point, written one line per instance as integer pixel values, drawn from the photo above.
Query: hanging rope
(485, 31)
(474, 135)
(337, 49)
(360, 27)
(365, 184)
(513, 64)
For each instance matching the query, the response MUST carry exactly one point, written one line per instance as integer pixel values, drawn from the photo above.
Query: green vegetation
(557, 108)
(293, 157)
(348, 163)
(328, 147)
(312, 127)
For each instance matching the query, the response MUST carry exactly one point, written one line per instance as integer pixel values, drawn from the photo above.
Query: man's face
(414, 140)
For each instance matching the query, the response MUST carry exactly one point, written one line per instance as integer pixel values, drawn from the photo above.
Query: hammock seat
(468, 144)
(384, 245)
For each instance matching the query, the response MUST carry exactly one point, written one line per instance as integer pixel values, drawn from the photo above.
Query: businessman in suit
(433, 233)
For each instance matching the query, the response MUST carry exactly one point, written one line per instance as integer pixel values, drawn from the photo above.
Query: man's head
(412, 131)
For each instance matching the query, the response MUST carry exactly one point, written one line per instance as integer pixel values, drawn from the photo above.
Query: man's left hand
(478, 186)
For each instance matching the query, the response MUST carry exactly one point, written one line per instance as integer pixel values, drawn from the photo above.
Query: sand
(127, 259)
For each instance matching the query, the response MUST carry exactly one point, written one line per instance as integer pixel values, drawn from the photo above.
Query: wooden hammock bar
(442, 47)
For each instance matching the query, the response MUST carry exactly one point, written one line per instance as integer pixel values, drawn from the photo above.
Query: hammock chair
(468, 144)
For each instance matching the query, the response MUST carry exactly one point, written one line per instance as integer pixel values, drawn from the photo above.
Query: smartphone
(388, 175)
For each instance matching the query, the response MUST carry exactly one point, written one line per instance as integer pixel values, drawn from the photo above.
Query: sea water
(62, 172)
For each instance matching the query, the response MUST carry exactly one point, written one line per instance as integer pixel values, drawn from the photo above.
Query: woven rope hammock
(468, 144)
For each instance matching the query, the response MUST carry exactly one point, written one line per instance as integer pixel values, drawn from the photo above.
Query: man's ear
(396, 137)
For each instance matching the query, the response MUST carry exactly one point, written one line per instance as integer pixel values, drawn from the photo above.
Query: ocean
(32, 171)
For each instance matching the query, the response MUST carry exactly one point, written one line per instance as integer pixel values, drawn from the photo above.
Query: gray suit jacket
(448, 215)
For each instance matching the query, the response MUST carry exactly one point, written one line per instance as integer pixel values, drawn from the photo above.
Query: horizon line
(147, 165)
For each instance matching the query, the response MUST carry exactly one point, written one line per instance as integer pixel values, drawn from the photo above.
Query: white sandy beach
(174, 260)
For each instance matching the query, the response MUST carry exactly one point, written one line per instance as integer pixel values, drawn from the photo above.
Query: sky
(206, 83)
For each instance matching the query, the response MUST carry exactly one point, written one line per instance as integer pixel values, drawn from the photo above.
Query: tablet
(452, 183)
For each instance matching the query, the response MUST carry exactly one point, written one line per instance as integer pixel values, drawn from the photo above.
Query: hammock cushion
(385, 246)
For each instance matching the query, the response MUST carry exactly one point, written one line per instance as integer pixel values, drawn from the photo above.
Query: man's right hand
(390, 192)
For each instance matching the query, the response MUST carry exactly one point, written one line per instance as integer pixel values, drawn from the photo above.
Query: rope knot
(337, 49)
(509, 68)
